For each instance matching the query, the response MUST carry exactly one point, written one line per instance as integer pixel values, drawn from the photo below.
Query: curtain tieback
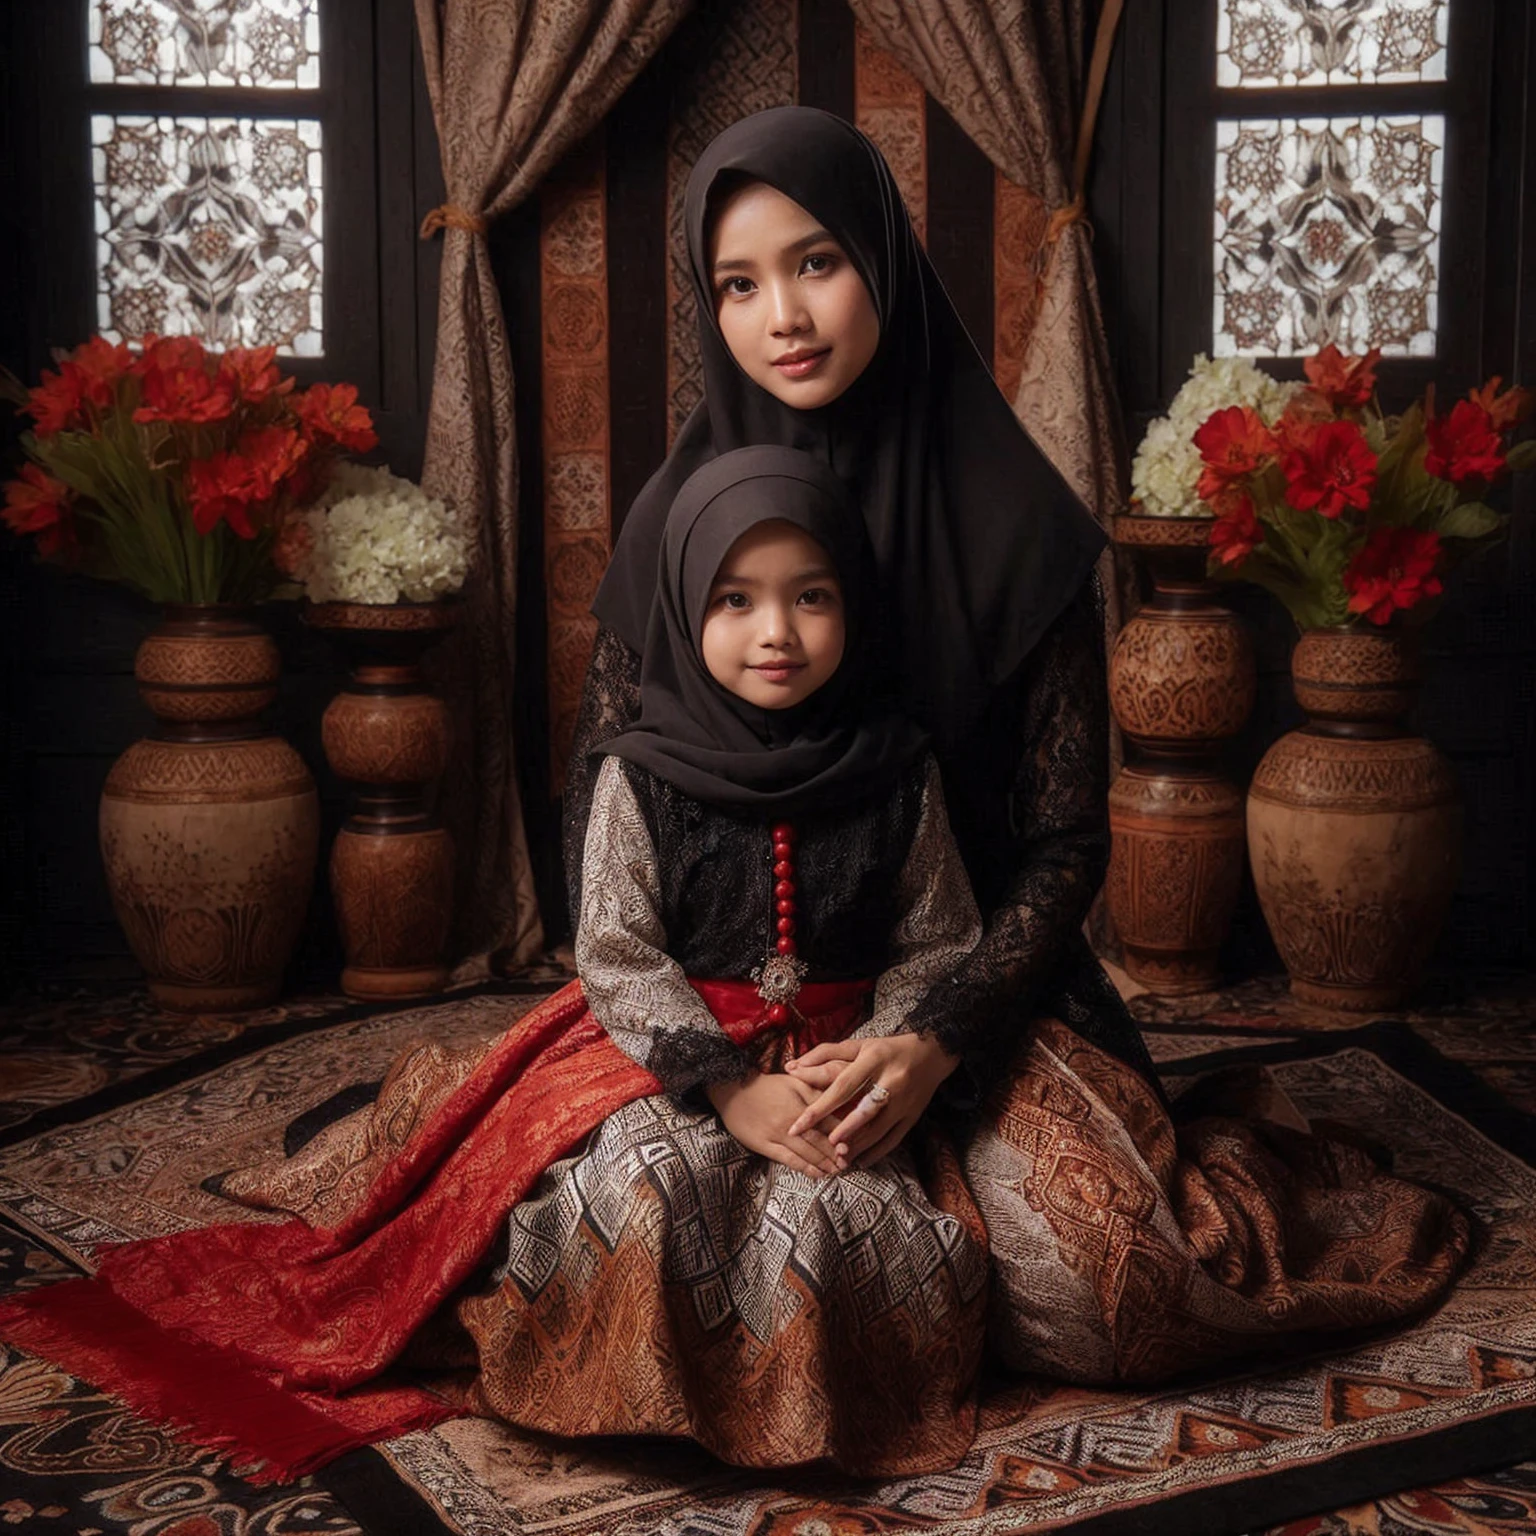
(1063, 218)
(451, 216)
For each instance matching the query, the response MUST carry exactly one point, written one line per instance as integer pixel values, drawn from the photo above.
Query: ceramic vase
(1181, 683)
(392, 862)
(1354, 826)
(210, 826)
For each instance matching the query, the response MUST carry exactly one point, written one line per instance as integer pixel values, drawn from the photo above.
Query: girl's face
(791, 305)
(774, 624)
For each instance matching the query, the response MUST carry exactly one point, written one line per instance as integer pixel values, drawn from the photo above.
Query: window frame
(1190, 115)
(63, 99)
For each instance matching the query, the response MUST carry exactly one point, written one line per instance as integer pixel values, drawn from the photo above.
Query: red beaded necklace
(779, 977)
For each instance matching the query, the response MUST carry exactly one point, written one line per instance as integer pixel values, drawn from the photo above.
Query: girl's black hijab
(978, 542)
(836, 746)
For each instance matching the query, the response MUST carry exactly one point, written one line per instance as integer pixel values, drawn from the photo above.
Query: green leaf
(1522, 455)
(1471, 520)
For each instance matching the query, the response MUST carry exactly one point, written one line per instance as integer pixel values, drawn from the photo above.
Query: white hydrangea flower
(1167, 464)
(375, 538)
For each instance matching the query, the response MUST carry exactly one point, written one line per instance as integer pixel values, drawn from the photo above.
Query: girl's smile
(792, 307)
(774, 627)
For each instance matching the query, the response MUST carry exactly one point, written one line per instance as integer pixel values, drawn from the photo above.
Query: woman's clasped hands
(877, 1088)
(844, 1104)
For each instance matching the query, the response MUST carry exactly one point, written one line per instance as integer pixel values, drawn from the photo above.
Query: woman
(985, 556)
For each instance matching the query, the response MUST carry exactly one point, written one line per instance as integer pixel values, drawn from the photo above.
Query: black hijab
(836, 746)
(978, 542)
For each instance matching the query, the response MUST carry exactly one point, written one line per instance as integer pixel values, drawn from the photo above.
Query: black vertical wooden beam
(960, 181)
(826, 56)
(401, 405)
(637, 287)
(514, 251)
(1124, 197)
(1188, 176)
(18, 277)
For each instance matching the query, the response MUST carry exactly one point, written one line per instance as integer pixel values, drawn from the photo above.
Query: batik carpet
(1448, 1397)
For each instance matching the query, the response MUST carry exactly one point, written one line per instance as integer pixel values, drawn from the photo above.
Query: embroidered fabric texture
(673, 888)
(1032, 958)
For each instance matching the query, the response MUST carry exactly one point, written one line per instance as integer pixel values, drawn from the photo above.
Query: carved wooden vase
(210, 826)
(392, 863)
(1354, 826)
(1181, 682)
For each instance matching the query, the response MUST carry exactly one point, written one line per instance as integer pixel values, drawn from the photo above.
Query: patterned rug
(1450, 1397)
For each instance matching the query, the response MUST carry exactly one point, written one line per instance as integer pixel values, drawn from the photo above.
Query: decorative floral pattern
(1328, 230)
(573, 246)
(266, 43)
(211, 227)
(1330, 42)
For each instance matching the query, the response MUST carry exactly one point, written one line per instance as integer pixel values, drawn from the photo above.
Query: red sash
(264, 1341)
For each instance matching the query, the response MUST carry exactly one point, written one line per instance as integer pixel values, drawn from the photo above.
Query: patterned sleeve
(636, 991)
(610, 703)
(939, 925)
(1060, 814)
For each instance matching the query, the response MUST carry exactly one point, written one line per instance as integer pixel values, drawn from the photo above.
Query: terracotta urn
(392, 862)
(210, 826)
(1354, 826)
(1181, 682)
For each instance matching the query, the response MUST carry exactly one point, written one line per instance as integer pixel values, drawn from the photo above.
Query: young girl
(767, 866)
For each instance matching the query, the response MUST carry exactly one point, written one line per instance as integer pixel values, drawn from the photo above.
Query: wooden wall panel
(890, 106)
(728, 61)
(573, 257)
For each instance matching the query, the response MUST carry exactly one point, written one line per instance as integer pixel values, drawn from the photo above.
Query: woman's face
(791, 305)
(774, 627)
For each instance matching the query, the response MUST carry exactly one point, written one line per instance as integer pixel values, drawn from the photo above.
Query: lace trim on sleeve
(939, 925)
(1060, 820)
(637, 992)
(610, 704)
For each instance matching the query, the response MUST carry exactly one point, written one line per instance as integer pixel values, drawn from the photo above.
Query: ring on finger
(875, 1096)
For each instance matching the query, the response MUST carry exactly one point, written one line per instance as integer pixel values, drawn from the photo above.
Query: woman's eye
(735, 600)
(735, 287)
(819, 262)
(815, 597)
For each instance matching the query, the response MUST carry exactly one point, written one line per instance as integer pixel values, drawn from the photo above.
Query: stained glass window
(209, 226)
(261, 43)
(1328, 229)
(1329, 42)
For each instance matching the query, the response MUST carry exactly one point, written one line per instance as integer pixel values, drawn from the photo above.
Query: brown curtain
(1015, 75)
(514, 84)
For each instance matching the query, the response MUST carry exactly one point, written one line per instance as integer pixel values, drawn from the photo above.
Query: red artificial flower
(57, 402)
(100, 364)
(1392, 571)
(1506, 410)
(253, 374)
(228, 487)
(293, 547)
(1340, 380)
(1237, 532)
(1328, 466)
(1464, 445)
(332, 415)
(87, 377)
(1233, 443)
(37, 503)
(179, 385)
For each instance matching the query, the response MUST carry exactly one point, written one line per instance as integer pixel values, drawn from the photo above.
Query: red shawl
(267, 1341)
